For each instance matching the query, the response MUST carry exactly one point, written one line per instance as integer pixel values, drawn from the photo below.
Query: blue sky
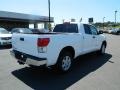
(66, 9)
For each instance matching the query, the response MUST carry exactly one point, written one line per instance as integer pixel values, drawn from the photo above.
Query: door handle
(21, 39)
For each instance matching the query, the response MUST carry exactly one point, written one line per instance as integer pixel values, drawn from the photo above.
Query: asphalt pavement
(89, 72)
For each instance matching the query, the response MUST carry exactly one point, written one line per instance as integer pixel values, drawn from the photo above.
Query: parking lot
(91, 72)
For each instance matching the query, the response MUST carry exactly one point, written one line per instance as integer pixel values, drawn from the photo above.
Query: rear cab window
(66, 28)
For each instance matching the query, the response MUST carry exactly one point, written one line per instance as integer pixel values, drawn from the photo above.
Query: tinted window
(93, 30)
(68, 28)
(87, 29)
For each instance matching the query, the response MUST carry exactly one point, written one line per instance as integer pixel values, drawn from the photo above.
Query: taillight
(43, 42)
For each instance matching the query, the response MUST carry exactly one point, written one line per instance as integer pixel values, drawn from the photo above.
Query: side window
(94, 30)
(87, 29)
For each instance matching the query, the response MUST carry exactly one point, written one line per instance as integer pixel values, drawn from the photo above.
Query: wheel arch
(62, 52)
(68, 49)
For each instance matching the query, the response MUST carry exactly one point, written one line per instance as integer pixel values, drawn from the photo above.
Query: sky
(66, 9)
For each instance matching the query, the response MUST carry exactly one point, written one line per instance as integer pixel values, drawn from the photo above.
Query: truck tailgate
(26, 43)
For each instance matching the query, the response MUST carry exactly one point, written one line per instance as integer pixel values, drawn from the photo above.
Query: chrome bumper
(30, 60)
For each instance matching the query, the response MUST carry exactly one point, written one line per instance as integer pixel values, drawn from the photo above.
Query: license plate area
(20, 56)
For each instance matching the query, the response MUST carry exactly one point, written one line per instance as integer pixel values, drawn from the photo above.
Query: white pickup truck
(58, 48)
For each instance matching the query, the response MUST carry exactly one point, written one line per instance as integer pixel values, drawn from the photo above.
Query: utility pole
(115, 16)
(103, 22)
(49, 14)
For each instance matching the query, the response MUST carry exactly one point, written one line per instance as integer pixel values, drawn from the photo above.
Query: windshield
(3, 31)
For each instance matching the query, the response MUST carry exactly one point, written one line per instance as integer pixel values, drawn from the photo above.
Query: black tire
(64, 62)
(102, 50)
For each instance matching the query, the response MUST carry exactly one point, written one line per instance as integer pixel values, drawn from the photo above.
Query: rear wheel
(64, 62)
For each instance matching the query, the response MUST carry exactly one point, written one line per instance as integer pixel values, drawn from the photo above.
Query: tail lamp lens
(43, 42)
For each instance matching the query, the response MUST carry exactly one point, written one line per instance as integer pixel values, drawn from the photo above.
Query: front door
(95, 37)
(87, 39)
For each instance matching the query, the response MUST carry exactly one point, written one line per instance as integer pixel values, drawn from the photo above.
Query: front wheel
(102, 50)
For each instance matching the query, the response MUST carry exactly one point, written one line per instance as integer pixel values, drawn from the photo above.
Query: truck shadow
(45, 79)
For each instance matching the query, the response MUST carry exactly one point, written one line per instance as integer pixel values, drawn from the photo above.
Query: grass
(117, 27)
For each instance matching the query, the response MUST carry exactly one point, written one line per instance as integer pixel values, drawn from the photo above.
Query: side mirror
(100, 32)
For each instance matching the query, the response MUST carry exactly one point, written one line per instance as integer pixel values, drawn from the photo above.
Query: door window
(87, 29)
(94, 30)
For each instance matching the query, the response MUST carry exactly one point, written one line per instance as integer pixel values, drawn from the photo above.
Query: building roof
(13, 16)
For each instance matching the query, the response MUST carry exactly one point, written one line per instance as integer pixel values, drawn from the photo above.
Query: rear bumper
(28, 59)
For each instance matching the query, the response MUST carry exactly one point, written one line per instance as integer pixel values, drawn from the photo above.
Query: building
(11, 20)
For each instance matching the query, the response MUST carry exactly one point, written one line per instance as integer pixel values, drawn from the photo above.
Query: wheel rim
(103, 49)
(66, 63)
